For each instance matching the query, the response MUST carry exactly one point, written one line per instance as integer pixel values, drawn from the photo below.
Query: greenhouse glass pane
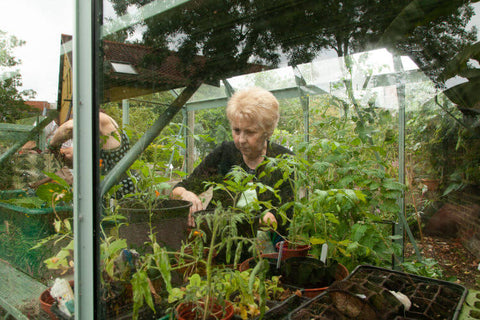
(33, 58)
(377, 98)
(352, 79)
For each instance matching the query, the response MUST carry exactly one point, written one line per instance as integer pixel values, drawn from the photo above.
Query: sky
(40, 23)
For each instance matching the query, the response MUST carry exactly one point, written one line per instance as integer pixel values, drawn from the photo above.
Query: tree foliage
(233, 34)
(12, 106)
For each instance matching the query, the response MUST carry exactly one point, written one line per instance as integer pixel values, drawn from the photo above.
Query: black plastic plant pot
(308, 272)
(168, 219)
(136, 210)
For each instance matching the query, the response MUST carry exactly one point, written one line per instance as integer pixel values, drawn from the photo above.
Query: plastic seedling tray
(431, 298)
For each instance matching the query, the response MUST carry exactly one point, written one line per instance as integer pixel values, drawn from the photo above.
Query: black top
(221, 161)
(108, 160)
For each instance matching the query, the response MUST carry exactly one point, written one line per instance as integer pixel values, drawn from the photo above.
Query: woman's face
(248, 137)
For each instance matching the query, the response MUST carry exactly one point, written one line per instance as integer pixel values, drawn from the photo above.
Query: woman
(253, 115)
(114, 144)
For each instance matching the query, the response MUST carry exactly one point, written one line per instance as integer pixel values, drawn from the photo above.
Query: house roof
(144, 71)
(152, 71)
(40, 105)
(147, 78)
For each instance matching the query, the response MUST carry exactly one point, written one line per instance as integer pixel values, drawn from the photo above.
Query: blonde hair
(255, 104)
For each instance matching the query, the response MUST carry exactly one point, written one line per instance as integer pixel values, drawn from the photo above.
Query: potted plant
(210, 293)
(199, 299)
(149, 210)
(308, 274)
(127, 276)
(196, 301)
(244, 220)
(296, 214)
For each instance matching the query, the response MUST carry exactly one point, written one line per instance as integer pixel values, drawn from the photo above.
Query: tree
(231, 36)
(12, 104)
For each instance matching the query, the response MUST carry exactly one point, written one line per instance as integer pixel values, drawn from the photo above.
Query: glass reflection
(170, 66)
(33, 209)
(376, 65)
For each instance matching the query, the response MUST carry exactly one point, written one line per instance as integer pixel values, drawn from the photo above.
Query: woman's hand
(184, 194)
(269, 220)
(67, 155)
(62, 134)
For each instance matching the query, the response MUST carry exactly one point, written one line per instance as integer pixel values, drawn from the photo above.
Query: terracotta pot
(245, 265)
(46, 301)
(340, 274)
(184, 311)
(289, 250)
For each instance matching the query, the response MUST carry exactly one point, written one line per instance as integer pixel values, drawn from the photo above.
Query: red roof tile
(40, 105)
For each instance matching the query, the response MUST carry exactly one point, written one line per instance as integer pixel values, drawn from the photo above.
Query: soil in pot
(169, 223)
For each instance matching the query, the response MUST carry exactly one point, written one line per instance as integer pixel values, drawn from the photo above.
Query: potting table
(19, 294)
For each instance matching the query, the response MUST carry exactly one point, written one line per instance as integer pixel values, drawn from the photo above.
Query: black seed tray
(431, 299)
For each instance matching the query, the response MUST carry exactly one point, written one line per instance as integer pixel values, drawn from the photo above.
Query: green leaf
(358, 231)
(315, 240)
(164, 266)
(175, 294)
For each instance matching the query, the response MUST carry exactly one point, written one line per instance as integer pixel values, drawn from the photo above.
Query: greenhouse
(289, 159)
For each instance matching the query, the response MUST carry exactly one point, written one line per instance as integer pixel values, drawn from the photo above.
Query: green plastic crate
(21, 229)
(34, 222)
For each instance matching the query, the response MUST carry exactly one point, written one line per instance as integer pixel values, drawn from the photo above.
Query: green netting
(20, 230)
(34, 222)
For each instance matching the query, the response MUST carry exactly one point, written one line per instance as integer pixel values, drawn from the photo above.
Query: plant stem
(209, 266)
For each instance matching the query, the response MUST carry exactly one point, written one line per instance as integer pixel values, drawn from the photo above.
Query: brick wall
(460, 220)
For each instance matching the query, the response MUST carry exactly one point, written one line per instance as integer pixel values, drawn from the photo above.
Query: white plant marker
(323, 254)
